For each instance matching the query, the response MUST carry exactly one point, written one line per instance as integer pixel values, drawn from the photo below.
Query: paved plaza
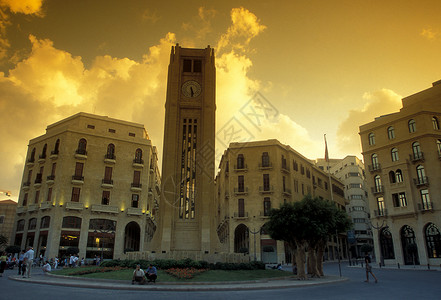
(404, 283)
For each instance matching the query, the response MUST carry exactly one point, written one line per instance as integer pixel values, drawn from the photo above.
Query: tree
(307, 224)
(3, 241)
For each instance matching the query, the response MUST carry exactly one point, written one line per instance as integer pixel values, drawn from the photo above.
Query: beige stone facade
(402, 151)
(90, 182)
(350, 170)
(7, 216)
(186, 222)
(255, 177)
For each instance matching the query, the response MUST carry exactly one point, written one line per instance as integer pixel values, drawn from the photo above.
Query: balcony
(380, 213)
(30, 162)
(110, 159)
(287, 192)
(241, 191)
(21, 209)
(136, 187)
(54, 154)
(150, 191)
(105, 209)
(240, 215)
(76, 179)
(374, 168)
(377, 190)
(264, 214)
(42, 158)
(285, 168)
(152, 168)
(423, 181)
(26, 185)
(46, 205)
(134, 211)
(138, 163)
(425, 206)
(81, 154)
(33, 207)
(50, 179)
(266, 189)
(74, 205)
(107, 183)
(266, 166)
(241, 168)
(416, 156)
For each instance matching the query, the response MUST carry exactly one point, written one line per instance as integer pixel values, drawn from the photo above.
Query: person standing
(3, 259)
(367, 261)
(29, 260)
(21, 267)
(55, 263)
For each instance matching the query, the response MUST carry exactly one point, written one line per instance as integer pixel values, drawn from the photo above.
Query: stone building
(350, 170)
(255, 177)
(90, 182)
(403, 152)
(7, 215)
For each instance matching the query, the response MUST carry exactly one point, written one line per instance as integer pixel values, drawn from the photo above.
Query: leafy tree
(3, 241)
(307, 224)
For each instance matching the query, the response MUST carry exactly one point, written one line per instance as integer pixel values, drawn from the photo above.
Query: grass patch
(208, 276)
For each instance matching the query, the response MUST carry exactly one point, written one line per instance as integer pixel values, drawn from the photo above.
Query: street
(393, 284)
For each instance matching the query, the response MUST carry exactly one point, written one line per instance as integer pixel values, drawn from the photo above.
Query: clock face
(191, 89)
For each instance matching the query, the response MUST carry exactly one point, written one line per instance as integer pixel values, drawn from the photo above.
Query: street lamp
(379, 228)
(254, 232)
(109, 229)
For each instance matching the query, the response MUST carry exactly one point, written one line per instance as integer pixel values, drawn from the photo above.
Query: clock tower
(186, 211)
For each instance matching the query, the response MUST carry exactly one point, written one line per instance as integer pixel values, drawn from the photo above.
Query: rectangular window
(91, 126)
(303, 189)
(136, 178)
(197, 66)
(37, 196)
(49, 195)
(106, 198)
(284, 183)
(187, 65)
(54, 167)
(135, 200)
(240, 183)
(108, 175)
(296, 186)
(402, 198)
(79, 170)
(266, 182)
(112, 130)
(425, 199)
(395, 200)
(381, 207)
(132, 134)
(266, 206)
(25, 199)
(241, 204)
(2, 219)
(302, 170)
(75, 194)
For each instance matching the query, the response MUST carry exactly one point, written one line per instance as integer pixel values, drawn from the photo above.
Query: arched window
(240, 161)
(412, 125)
(266, 206)
(438, 147)
(386, 244)
(110, 151)
(138, 156)
(71, 222)
(371, 138)
(375, 164)
(377, 182)
(265, 159)
(82, 144)
(433, 241)
(435, 123)
(32, 224)
(416, 150)
(57, 147)
(392, 177)
(399, 176)
(394, 154)
(408, 242)
(20, 225)
(102, 224)
(391, 132)
(32, 159)
(45, 222)
(43, 152)
(421, 174)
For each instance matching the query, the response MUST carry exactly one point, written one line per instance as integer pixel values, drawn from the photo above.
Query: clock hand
(191, 89)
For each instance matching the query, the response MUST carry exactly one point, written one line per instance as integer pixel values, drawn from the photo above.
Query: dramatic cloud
(430, 34)
(27, 7)
(378, 103)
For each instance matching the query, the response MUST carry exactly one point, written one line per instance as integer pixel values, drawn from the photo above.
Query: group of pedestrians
(142, 277)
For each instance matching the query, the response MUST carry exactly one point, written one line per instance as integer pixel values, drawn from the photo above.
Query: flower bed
(185, 273)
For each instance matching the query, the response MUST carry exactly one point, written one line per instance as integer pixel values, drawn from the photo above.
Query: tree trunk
(312, 262)
(300, 261)
(320, 253)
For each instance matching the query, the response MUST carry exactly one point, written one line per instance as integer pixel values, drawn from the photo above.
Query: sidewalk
(402, 267)
(279, 283)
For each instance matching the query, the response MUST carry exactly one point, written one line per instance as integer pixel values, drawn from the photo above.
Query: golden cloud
(28, 7)
(430, 34)
(377, 103)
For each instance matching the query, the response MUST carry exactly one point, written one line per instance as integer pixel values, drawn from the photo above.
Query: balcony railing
(265, 214)
(241, 191)
(136, 185)
(107, 181)
(138, 163)
(238, 215)
(377, 190)
(42, 156)
(421, 181)
(266, 189)
(380, 213)
(74, 205)
(81, 152)
(26, 184)
(417, 156)
(287, 192)
(243, 167)
(374, 168)
(265, 166)
(285, 168)
(425, 206)
(105, 208)
(38, 179)
(134, 211)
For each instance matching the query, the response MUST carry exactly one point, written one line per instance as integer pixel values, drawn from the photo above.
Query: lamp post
(379, 228)
(254, 232)
(109, 229)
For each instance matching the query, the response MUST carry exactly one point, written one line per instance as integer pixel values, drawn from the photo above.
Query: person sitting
(151, 273)
(138, 275)
(47, 267)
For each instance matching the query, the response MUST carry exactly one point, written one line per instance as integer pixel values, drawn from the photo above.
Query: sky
(321, 67)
